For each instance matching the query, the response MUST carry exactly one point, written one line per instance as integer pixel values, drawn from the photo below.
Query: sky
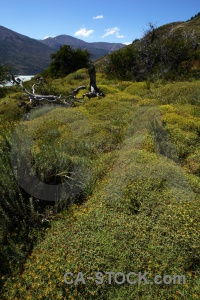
(93, 20)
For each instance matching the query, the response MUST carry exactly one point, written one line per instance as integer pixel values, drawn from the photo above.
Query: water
(22, 77)
(25, 77)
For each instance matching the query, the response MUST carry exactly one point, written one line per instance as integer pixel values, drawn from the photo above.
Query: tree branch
(33, 96)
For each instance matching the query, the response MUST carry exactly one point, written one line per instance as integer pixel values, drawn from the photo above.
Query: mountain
(96, 49)
(27, 56)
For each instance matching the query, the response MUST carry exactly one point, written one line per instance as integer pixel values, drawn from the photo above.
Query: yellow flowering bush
(140, 209)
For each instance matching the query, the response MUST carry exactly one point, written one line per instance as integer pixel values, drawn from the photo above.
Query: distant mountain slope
(27, 56)
(96, 49)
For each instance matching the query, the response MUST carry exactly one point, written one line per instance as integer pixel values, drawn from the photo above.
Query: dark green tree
(3, 79)
(67, 60)
(3, 74)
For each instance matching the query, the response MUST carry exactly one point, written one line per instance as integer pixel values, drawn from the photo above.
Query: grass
(138, 152)
(41, 111)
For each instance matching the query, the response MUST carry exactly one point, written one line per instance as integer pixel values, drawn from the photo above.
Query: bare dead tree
(34, 98)
(37, 99)
(69, 101)
(94, 90)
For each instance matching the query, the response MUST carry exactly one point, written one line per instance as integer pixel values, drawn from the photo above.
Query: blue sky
(93, 21)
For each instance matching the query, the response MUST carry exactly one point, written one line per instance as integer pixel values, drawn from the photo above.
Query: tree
(3, 74)
(3, 79)
(67, 60)
(159, 54)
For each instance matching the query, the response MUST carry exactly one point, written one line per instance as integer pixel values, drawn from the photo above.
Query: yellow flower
(186, 286)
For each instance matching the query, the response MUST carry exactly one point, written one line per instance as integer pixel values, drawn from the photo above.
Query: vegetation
(161, 53)
(3, 79)
(194, 17)
(3, 73)
(126, 173)
(137, 205)
(67, 60)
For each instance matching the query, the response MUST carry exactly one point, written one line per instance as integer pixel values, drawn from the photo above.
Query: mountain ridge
(25, 55)
(64, 39)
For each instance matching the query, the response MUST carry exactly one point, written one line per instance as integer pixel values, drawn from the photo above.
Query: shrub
(159, 54)
(193, 162)
(67, 60)
(138, 207)
(20, 223)
(41, 111)
(104, 234)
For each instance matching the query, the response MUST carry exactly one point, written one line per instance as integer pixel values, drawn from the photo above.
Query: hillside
(24, 55)
(188, 26)
(123, 170)
(168, 52)
(27, 56)
(136, 157)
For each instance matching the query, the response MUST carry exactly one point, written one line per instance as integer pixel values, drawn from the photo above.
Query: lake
(22, 77)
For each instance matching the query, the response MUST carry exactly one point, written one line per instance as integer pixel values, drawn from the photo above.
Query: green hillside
(136, 153)
(169, 52)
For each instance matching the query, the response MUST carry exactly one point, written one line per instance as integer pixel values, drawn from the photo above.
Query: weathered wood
(32, 96)
(93, 85)
(72, 96)
(69, 101)
(36, 99)
(94, 90)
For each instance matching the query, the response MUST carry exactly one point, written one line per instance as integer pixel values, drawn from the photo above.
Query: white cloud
(46, 37)
(127, 43)
(84, 32)
(98, 17)
(112, 31)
